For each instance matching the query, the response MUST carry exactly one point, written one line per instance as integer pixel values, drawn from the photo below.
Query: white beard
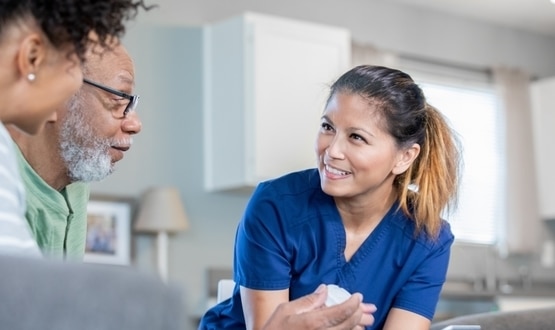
(86, 155)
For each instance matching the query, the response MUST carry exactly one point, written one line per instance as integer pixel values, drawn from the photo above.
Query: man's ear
(405, 158)
(31, 55)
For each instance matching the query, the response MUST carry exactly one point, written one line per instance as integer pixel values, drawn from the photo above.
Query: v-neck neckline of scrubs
(369, 243)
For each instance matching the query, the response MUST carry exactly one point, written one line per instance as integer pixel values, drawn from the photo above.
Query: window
(472, 108)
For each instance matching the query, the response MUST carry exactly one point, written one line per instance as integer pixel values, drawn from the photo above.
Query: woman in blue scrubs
(366, 219)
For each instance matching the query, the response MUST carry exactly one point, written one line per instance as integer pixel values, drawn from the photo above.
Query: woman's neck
(362, 212)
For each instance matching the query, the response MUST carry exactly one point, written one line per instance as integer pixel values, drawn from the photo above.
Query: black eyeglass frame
(133, 99)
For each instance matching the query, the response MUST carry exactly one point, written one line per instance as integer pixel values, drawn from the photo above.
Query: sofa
(532, 319)
(46, 294)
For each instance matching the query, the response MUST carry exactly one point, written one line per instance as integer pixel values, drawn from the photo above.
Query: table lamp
(161, 212)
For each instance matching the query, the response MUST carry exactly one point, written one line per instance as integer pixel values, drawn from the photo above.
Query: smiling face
(356, 156)
(93, 133)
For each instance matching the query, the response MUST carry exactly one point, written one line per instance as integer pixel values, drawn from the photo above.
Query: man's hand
(310, 313)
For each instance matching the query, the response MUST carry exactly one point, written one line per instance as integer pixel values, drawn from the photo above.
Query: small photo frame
(108, 239)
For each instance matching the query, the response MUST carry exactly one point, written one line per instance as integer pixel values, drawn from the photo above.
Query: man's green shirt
(58, 219)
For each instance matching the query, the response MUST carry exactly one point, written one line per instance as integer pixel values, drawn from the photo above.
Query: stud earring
(31, 77)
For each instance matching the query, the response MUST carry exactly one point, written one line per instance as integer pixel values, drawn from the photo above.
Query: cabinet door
(293, 66)
(543, 107)
(283, 70)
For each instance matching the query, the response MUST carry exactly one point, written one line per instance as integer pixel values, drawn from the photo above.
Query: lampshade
(161, 210)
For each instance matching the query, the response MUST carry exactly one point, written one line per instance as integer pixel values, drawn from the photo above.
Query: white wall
(169, 149)
(387, 25)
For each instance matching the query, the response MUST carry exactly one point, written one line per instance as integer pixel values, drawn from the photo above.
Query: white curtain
(521, 230)
(368, 54)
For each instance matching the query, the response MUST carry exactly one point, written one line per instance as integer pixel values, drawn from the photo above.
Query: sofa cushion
(47, 294)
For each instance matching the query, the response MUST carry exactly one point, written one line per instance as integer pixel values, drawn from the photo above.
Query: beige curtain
(523, 221)
(368, 54)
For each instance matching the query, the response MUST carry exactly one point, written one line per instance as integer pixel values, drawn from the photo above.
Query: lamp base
(162, 242)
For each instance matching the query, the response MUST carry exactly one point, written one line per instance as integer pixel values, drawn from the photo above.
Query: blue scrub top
(291, 236)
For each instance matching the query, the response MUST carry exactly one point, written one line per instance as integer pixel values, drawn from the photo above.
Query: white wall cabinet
(543, 107)
(266, 81)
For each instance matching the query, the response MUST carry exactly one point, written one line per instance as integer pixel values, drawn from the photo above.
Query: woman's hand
(310, 313)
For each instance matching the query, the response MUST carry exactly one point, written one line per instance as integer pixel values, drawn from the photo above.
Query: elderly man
(92, 132)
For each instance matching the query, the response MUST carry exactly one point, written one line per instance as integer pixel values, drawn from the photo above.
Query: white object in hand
(336, 295)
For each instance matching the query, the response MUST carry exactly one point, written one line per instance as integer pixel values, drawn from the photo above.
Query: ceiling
(529, 15)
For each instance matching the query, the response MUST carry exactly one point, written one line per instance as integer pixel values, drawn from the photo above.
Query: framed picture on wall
(108, 238)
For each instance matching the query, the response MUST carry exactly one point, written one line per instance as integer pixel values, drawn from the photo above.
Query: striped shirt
(15, 236)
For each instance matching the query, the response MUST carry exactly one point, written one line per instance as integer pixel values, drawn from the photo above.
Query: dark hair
(69, 22)
(410, 119)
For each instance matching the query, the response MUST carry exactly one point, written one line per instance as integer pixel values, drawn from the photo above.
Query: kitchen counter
(462, 289)
(461, 297)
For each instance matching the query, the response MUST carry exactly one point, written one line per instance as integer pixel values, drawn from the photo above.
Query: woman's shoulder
(445, 233)
(444, 237)
(405, 224)
(293, 198)
(293, 183)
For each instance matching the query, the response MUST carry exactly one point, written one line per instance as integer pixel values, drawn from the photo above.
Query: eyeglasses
(133, 99)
